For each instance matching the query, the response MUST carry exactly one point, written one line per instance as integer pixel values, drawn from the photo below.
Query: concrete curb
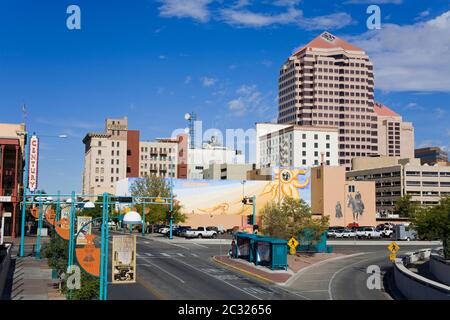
(381, 243)
(299, 273)
(247, 273)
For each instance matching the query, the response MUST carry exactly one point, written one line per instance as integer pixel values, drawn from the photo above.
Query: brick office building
(11, 169)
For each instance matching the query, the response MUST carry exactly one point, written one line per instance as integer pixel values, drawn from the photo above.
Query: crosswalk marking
(180, 254)
(165, 254)
(148, 254)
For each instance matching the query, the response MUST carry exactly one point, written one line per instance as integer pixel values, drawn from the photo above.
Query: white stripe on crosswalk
(149, 254)
(180, 254)
(165, 254)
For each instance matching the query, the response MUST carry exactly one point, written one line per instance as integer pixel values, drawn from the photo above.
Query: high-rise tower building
(330, 83)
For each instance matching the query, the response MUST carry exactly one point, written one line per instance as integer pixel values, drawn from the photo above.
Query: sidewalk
(32, 280)
(281, 277)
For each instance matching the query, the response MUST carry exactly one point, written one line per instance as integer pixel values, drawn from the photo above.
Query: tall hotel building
(330, 83)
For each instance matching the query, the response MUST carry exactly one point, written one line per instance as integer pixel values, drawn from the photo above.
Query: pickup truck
(367, 233)
(201, 232)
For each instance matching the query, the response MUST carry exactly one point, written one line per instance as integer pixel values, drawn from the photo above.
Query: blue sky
(155, 60)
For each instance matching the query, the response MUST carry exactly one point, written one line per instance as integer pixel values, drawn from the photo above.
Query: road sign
(292, 243)
(392, 257)
(394, 247)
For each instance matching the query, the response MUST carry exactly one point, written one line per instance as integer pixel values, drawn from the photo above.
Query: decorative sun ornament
(287, 184)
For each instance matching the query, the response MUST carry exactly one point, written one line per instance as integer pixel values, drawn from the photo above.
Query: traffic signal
(247, 200)
(244, 201)
(250, 219)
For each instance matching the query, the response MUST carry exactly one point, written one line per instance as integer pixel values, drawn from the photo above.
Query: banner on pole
(33, 164)
(124, 259)
(81, 221)
(88, 257)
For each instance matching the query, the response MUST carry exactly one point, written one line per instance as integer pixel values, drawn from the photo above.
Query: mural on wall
(288, 183)
(357, 205)
(224, 197)
(339, 214)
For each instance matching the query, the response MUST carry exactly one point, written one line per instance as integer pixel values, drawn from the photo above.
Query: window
(316, 145)
(113, 143)
(351, 189)
(99, 143)
(316, 136)
(328, 146)
(99, 152)
(328, 137)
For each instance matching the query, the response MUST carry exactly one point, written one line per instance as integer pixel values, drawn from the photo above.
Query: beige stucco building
(395, 137)
(396, 177)
(158, 158)
(345, 202)
(330, 83)
(105, 157)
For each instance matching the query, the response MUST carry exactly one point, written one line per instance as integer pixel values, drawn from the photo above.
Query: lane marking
(337, 272)
(165, 254)
(200, 245)
(231, 285)
(149, 254)
(194, 254)
(180, 254)
(180, 246)
(162, 269)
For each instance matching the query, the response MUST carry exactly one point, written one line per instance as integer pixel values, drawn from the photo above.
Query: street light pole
(171, 201)
(24, 200)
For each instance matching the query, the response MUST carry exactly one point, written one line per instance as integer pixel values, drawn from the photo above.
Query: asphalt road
(346, 278)
(184, 270)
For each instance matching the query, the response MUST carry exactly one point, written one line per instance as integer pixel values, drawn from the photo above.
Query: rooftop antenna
(191, 118)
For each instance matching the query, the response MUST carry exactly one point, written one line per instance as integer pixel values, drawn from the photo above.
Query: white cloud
(208, 82)
(246, 18)
(188, 80)
(249, 99)
(195, 9)
(238, 14)
(333, 21)
(440, 113)
(162, 57)
(410, 57)
(253, 19)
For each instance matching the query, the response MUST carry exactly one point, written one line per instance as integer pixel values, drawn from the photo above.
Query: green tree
(56, 252)
(292, 217)
(151, 186)
(434, 223)
(404, 207)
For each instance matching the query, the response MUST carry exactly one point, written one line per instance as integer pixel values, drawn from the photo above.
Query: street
(185, 271)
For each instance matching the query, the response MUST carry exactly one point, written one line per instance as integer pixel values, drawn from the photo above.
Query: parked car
(164, 230)
(200, 232)
(349, 233)
(331, 233)
(218, 229)
(386, 231)
(338, 233)
(367, 233)
(179, 230)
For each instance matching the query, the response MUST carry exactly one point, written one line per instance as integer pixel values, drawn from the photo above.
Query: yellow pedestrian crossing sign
(392, 257)
(394, 247)
(293, 243)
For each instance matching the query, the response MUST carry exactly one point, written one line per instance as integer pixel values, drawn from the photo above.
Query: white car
(348, 233)
(338, 233)
(367, 233)
(164, 230)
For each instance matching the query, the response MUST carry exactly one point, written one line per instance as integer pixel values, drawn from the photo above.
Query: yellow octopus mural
(286, 183)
